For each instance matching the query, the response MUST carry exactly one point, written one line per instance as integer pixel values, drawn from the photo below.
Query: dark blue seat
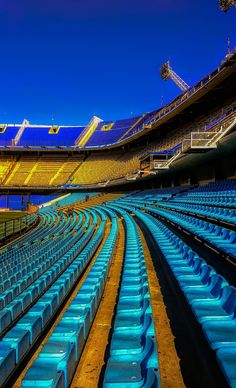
(212, 289)
(219, 308)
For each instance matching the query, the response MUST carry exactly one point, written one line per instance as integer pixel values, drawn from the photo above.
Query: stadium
(118, 244)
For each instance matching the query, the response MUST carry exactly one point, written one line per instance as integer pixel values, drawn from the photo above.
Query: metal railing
(185, 96)
(209, 139)
(12, 227)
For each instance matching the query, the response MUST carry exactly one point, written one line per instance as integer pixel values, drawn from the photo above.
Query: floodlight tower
(226, 4)
(168, 73)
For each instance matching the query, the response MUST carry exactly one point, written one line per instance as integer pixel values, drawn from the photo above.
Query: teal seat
(226, 357)
(7, 361)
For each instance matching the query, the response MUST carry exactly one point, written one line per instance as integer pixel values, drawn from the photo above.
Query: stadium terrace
(118, 246)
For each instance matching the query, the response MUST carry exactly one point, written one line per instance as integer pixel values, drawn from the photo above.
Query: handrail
(11, 227)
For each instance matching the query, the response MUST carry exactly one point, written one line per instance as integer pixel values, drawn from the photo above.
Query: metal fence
(12, 227)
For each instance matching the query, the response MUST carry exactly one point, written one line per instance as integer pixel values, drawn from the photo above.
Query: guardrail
(185, 96)
(12, 227)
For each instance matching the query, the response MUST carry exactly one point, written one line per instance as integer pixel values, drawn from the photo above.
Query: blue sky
(63, 61)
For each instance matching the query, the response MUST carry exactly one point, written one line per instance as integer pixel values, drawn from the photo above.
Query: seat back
(216, 283)
(205, 273)
(229, 299)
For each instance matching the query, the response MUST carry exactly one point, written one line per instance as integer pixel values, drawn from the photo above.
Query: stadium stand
(6, 163)
(90, 205)
(56, 170)
(37, 135)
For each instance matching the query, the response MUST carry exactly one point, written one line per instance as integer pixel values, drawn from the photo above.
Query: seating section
(40, 136)
(220, 237)
(105, 167)
(101, 137)
(45, 170)
(63, 265)
(211, 297)
(6, 163)
(62, 167)
(220, 193)
(8, 135)
(65, 136)
(226, 215)
(21, 171)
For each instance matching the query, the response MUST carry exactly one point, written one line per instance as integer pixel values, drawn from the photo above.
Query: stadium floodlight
(168, 73)
(226, 4)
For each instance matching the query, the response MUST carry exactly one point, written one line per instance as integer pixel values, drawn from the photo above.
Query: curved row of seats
(133, 360)
(221, 238)
(216, 200)
(218, 213)
(47, 293)
(60, 355)
(211, 298)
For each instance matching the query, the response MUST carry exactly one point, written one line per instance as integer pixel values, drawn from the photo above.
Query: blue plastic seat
(72, 332)
(19, 340)
(227, 360)
(220, 332)
(7, 361)
(5, 319)
(32, 324)
(210, 290)
(50, 378)
(128, 370)
(221, 308)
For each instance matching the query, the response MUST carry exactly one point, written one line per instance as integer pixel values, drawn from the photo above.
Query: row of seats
(133, 360)
(218, 213)
(158, 194)
(60, 355)
(213, 199)
(51, 288)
